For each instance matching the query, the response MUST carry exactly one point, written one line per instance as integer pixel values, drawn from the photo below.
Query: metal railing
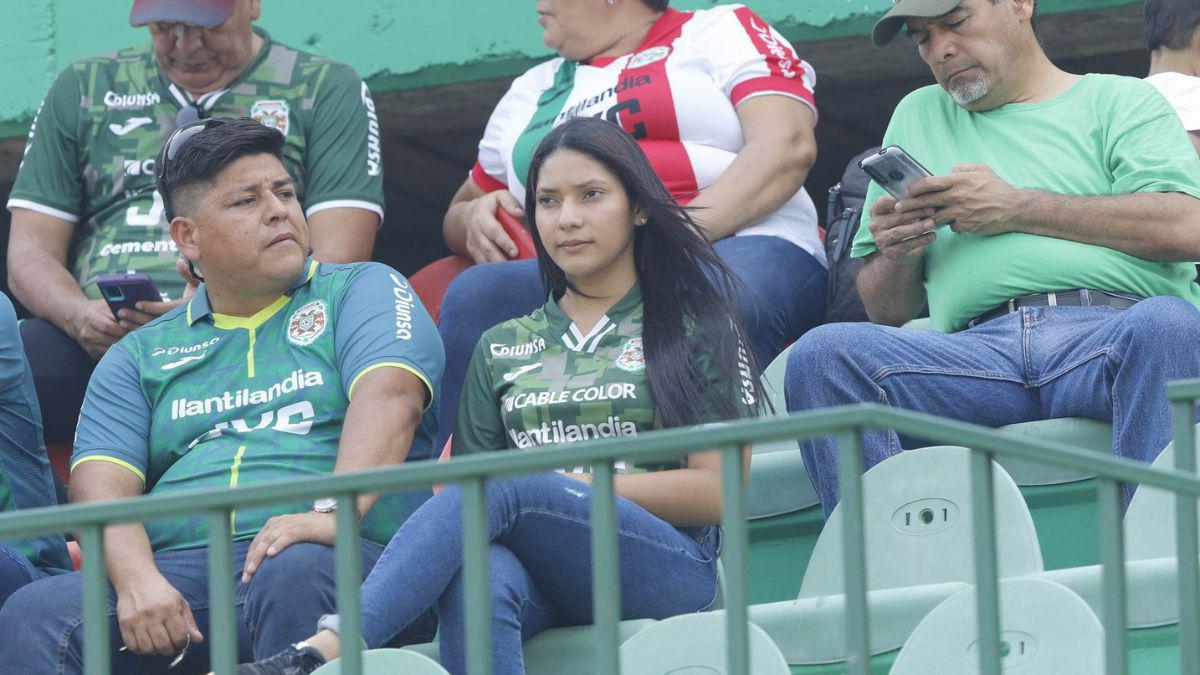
(846, 423)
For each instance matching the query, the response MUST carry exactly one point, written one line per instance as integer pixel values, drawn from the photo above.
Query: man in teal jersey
(25, 479)
(279, 367)
(84, 203)
(1063, 283)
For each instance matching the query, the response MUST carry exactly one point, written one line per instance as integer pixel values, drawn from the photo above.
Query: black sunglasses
(191, 122)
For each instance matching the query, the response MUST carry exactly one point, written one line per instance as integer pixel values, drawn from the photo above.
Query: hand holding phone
(895, 171)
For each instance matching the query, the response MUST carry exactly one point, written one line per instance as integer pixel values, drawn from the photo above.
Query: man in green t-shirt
(1061, 285)
(84, 203)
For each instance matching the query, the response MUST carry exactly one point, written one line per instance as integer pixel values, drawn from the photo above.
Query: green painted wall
(395, 44)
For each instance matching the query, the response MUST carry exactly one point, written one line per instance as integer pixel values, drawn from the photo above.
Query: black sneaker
(291, 661)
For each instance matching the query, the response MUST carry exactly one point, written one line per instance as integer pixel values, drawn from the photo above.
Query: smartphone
(895, 170)
(123, 291)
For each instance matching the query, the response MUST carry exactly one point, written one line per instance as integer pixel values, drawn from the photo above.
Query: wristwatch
(325, 505)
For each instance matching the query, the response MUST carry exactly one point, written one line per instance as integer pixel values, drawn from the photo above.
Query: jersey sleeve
(114, 423)
(343, 160)
(479, 427)
(490, 172)
(752, 59)
(49, 180)
(1147, 149)
(382, 324)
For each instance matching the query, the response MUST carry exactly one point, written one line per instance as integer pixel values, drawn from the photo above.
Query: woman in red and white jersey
(723, 107)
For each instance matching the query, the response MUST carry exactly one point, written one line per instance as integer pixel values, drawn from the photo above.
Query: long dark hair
(687, 318)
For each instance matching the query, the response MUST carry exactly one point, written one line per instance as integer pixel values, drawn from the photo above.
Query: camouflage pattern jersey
(90, 155)
(538, 380)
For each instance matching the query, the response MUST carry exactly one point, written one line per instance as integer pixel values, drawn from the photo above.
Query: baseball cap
(205, 13)
(890, 24)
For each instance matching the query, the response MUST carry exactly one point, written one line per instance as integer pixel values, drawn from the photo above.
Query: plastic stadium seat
(1045, 629)
(1150, 519)
(562, 650)
(60, 460)
(431, 281)
(388, 662)
(917, 507)
(921, 323)
(76, 555)
(695, 643)
(1078, 431)
(779, 483)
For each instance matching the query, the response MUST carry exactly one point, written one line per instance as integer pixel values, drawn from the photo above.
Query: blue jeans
(784, 296)
(41, 625)
(15, 571)
(1037, 363)
(540, 567)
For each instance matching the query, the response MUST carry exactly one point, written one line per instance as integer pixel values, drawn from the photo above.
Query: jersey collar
(561, 323)
(198, 307)
(209, 100)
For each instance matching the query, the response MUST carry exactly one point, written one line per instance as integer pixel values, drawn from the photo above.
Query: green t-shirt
(196, 399)
(90, 155)
(538, 380)
(1106, 135)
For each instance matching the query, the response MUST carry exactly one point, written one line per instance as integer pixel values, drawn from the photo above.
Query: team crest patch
(307, 324)
(273, 114)
(632, 358)
(647, 57)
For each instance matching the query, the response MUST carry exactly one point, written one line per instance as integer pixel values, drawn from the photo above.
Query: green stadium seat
(919, 552)
(1150, 519)
(917, 509)
(562, 650)
(779, 482)
(1045, 629)
(387, 662)
(1078, 431)
(695, 643)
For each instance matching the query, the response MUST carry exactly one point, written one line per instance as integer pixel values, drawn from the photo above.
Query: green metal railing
(846, 424)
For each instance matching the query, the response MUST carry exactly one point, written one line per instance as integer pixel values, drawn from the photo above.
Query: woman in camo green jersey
(635, 336)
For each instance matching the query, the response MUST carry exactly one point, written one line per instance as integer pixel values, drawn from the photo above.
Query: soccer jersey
(196, 399)
(91, 150)
(677, 94)
(1183, 93)
(538, 380)
(25, 479)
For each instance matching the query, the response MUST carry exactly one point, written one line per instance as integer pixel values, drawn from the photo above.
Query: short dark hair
(205, 153)
(657, 5)
(1170, 23)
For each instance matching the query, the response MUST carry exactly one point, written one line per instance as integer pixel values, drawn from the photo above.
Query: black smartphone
(123, 291)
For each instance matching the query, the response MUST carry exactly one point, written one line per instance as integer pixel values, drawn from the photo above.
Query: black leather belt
(1078, 298)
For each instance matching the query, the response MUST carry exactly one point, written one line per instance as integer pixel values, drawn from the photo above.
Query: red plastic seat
(431, 281)
(60, 460)
(76, 555)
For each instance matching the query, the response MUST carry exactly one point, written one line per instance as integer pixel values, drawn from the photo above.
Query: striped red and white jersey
(676, 94)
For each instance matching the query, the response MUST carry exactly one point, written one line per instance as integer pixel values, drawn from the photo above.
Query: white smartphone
(895, 170)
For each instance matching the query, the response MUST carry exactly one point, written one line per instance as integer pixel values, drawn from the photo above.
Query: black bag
(844, 215)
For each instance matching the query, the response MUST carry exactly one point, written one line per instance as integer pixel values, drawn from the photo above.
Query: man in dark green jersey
(84, 203)
(278, 367)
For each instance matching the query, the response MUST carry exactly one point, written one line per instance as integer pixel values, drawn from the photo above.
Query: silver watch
(325, 505)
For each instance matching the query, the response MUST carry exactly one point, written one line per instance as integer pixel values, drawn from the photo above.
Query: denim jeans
(41, 627)
(15, 571)
(539, 564)
(784, 297)
(1037, 363)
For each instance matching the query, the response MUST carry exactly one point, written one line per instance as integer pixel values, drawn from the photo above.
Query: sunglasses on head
(190, 122)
